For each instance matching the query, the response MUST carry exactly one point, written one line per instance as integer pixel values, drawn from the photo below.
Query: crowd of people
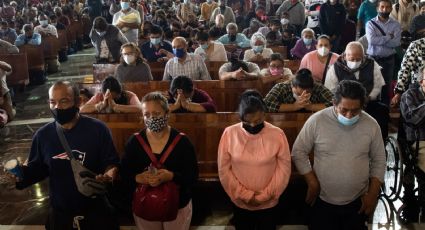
(350, 53)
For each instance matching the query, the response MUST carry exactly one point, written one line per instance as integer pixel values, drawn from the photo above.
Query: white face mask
(323, 51)
(372, 1)
(129, 59)
(353, 64)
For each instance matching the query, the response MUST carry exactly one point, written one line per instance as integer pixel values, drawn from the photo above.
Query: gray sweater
(133, 73)
(345, 157)
(296, 14)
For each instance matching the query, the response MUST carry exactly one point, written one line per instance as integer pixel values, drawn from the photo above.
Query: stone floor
(27, 209)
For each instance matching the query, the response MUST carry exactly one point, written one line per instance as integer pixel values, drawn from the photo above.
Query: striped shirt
(193, 67)
(382, 45)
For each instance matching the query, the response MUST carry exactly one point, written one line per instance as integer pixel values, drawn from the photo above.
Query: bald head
(179, 47)
(354, 51)
(63, 94)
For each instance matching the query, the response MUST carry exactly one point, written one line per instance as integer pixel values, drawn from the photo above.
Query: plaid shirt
(281, 93)
(193, 67)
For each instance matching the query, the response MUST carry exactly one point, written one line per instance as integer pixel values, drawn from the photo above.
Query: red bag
(159, 203)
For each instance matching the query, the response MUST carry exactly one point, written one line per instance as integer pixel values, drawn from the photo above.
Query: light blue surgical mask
(307, 41)
(258, 49)
(125, 5)
(155, 41)
(204, 46)
(44, 22)
(348, 121)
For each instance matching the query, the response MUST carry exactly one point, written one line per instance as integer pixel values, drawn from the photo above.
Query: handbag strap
(326, 67)
(64, 142)
(148, 150)
(290, 8)
(379, 28)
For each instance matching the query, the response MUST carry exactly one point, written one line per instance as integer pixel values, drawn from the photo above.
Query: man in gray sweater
(349, 161)
(294, 11)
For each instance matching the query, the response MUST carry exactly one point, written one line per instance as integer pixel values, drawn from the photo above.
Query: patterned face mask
(156, 124)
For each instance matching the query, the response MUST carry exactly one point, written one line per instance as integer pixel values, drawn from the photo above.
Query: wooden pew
(51, 46)
(225, 93)
(279, 49)
(19, 75)
(157, 70)
(101, 71)
(63, 40)
(204, 130)
(293, 65)
(35, 56)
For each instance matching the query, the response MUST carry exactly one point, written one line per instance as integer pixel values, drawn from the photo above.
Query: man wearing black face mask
(383, 35)
(91, 144)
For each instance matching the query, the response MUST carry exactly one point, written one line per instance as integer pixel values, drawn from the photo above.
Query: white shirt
(249, 54)
(132, 35)
(218, 54)
(49, 29)
(331, 80)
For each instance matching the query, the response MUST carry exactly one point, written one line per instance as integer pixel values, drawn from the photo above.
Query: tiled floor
(27, 209)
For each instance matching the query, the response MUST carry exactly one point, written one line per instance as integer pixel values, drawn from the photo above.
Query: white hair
(356, 45)
(307, 30)
(231, 26)
(258, 36)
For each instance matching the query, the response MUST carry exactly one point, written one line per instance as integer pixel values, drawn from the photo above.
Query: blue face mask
(307, 41)
(155, 41)
(204, 46)
(179, 53)
(348, 121)
(258, 49)
(125, 5)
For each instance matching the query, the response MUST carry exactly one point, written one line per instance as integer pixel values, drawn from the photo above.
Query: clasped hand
(152, 179)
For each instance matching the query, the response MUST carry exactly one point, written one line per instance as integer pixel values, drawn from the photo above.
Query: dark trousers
(254, 220)
(98, 215)
(337, 217)
(387, 70)
(381, 113)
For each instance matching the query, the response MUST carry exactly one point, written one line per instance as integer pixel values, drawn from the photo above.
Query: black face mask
(63, 116)
(232, 37)
(253, 130)
(384, 15)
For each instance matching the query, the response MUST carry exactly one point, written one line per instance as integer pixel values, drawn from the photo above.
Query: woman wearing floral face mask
(305, 44)
(276, 70)
(208, 49)
(132, 67)
(259, 52)
(180, 167)
(254, 165)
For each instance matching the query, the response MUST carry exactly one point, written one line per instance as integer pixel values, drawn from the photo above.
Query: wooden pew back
(35, 56)
(204, 131)
(19, 75)
(225, 93)
(51, 46)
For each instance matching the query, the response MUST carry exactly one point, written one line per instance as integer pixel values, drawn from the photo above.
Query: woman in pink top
(316, 60)
(113, 99)
(254, 165)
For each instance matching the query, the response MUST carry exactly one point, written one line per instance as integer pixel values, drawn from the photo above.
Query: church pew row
(225, 93)
(19, 75)
(157, 68)
(100, 71)
(204, 130)
(35, 56)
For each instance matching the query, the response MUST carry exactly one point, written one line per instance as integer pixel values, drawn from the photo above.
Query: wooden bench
(19, 75)
(225, 93)
(51, 46)
(204, 130)
(280, 49)
(63, 40)
(102, 71)
(35, 56)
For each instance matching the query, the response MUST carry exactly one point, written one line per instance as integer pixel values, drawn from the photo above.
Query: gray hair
(355, 44)
(231, 26)
(158, 98)
(258, 36)
(307, 30)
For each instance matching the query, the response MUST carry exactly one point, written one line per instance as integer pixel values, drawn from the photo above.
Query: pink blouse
(311, 62)
(254, 165)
